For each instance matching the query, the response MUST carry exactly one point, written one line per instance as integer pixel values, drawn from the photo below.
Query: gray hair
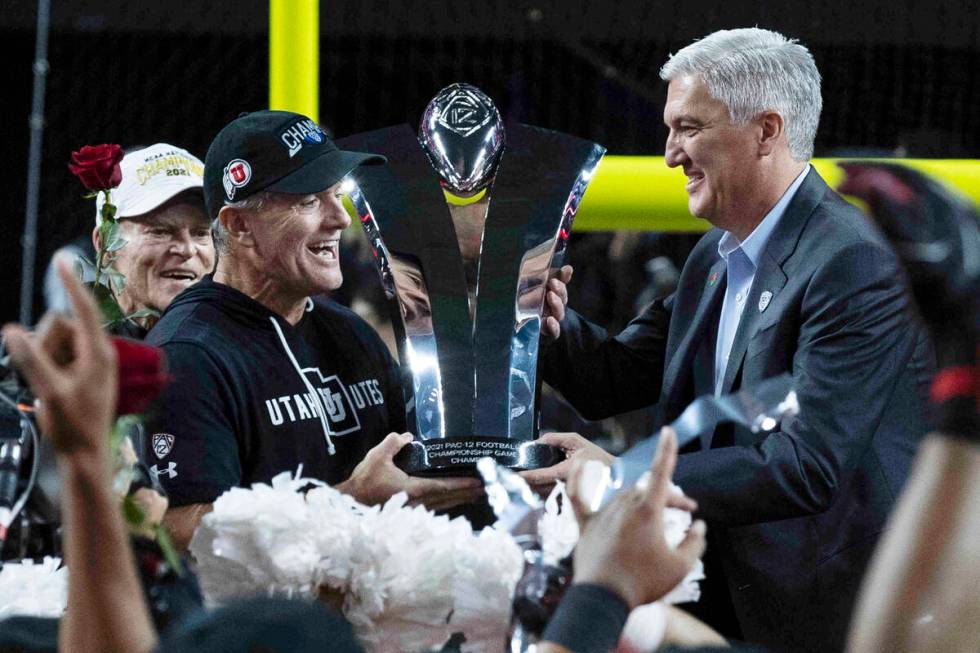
(253, 203)
(754, 70)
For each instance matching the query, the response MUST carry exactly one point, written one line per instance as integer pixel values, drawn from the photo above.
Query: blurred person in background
(792, 279)
(922, 590)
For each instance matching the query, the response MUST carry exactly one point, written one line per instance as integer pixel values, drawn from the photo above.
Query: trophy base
(458, 456)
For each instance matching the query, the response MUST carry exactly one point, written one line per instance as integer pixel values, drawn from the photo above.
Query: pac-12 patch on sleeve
(163, 444)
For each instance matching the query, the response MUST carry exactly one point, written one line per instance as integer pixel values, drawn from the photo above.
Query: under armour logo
(170, 471)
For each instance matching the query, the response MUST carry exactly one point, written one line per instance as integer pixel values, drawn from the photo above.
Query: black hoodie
(253, 396)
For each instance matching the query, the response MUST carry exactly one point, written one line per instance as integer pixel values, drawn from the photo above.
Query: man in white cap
(160, 207)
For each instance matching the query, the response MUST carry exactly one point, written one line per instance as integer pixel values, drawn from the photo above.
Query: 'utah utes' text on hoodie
(253, 396)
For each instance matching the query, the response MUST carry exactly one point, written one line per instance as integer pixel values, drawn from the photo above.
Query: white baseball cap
(152, 176)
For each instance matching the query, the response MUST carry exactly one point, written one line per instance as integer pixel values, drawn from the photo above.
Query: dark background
(896, 77)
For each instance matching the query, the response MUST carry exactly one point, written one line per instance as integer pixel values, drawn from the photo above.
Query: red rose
(97, 166)
(141, 375)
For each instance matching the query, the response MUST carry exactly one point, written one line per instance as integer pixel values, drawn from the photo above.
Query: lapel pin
(713, 279)
(764, 300)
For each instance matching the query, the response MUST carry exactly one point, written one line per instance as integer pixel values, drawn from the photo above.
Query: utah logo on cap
(236, 174)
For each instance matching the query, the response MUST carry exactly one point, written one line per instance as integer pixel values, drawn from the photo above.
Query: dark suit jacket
(793, 515)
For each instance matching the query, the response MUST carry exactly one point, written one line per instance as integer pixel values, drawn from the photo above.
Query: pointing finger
(662, 468)
(82, 302)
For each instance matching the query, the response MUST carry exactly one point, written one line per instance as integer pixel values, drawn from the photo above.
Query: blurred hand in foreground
(71, 367)
(72, 370)
(623, 548)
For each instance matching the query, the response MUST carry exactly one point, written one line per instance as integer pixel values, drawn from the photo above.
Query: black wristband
(589, 619)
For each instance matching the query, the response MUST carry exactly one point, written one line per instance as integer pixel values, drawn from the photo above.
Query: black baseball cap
(276, 151)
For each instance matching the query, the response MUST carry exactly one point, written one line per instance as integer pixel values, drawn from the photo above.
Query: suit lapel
(707, 308)
(770, 277)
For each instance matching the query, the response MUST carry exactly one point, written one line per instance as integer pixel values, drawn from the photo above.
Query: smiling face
(167, 250)
(722, 161)
(297, 242)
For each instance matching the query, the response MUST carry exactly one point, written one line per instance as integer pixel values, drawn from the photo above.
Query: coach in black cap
(267, 376)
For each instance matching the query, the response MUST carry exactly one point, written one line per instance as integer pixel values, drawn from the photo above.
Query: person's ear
(771, 130)
(238, 225)
(96, 239)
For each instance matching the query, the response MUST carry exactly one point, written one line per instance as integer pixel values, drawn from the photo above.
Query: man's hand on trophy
(376, 479)
(575, 448)
(555, 301)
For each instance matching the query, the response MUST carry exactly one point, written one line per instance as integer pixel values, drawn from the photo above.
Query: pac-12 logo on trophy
(466, 271)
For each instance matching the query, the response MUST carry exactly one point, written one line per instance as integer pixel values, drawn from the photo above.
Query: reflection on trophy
(466, 270)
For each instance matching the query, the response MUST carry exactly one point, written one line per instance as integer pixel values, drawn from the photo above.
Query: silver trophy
(467, 224)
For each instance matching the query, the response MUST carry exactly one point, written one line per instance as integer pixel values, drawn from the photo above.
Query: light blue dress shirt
(742, 260)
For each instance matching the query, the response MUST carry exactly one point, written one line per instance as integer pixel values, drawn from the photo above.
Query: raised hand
(71, 368)
(623, 548)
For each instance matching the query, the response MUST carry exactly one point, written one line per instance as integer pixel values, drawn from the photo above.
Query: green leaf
(143, 312)
(121, 429)
(108, 231)
(90, 195)
(116, 244)
(109, 212)
(84, 259)
(108, 305)
(132, 513)
(168, 549)
(117, 278)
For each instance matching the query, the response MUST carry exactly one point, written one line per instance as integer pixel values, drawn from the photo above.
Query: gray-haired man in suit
(791, 279)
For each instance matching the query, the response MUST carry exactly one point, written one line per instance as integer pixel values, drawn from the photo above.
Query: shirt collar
(753, 245)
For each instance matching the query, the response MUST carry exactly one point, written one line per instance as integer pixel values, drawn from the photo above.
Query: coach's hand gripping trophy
(466, 271)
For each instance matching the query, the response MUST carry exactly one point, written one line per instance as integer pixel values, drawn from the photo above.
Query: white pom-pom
(488, 567)
(559, 529)
(257, 541)
(409, 578)
(558, 526)
(33, 590)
